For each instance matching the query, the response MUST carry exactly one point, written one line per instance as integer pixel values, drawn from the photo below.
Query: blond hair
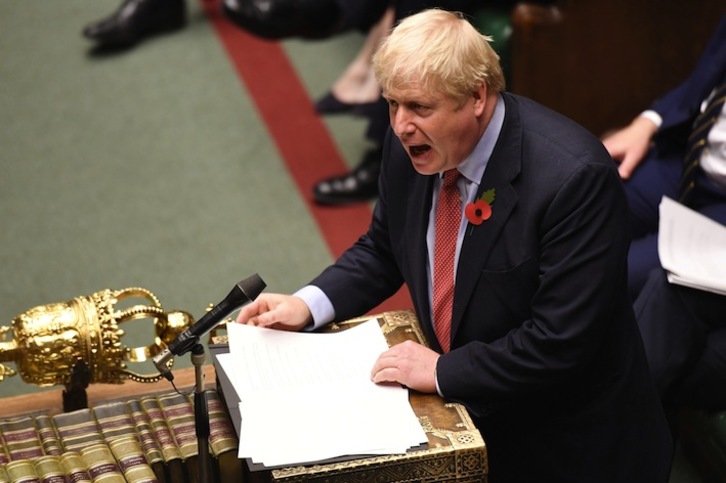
(438, 50)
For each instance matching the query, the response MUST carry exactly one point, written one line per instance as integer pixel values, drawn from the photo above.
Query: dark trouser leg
(361, 184)
(705, 386)
(311, 19)
(684, 334)
(654, 178)
(673, 336)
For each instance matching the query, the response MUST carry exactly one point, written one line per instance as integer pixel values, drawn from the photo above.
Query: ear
(480, 99)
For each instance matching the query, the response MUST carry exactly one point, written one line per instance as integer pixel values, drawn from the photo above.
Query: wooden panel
(601, 62)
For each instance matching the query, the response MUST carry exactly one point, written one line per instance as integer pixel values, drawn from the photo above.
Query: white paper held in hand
(308, 397)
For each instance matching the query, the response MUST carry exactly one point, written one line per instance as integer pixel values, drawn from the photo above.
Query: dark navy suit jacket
(545, 353)
(679, 107)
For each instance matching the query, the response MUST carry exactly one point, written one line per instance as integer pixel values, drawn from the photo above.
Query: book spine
(161, 429)
(132, 461)
(223, 440)
(77, 429)
(179, 413)
(145, 432)
(21, 438)
(48, 435)
(148, 443)
(114, 420)
(22, 471)
(222, 437)
(153, 439)
(4, 458)
(101, 464)
(75, 468)
(162, 433)
(50, 469)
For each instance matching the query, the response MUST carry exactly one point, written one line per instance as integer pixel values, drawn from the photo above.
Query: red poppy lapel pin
(480, 209)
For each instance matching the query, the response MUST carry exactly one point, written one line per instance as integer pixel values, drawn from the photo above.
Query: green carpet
(146, 168)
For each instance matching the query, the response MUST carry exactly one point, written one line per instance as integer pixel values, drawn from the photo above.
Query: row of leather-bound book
(150, 439)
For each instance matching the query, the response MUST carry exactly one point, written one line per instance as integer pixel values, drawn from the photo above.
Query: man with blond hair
(505, 220)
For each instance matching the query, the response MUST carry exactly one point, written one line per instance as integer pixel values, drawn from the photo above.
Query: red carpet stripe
(301, 137)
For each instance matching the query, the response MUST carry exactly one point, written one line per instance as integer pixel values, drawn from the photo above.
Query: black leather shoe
(135, 20)
(329, 104)
(281, 19)
(358, 186)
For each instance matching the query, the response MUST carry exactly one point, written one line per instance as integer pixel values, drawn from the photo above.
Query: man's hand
(408, 363)
(629, 145)
(276, 311)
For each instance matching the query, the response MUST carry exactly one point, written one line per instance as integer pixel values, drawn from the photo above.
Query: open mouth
(419, 149)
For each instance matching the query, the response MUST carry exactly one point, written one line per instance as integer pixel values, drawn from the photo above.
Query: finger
(388, 374)
(276, 318)
(386, 359)
(247, 312)
(627, 167)
(268, 319)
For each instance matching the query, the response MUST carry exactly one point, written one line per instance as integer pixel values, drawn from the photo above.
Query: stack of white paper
(692, 248)
(308, 397)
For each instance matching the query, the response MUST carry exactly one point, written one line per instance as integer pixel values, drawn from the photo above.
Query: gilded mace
(50, 341)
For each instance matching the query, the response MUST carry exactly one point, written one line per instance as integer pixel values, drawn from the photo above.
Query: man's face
(438, 131)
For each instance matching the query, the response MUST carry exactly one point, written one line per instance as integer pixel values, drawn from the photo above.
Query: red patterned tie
(448, 219)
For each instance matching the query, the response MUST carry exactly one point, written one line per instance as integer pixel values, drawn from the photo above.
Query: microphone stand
(201, 416)
(243, 293)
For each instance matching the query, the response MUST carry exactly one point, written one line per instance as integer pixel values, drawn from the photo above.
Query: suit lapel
(417, 214)
(504, 165)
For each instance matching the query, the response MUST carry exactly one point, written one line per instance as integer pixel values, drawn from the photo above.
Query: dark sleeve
(682, 103)
(366, 274)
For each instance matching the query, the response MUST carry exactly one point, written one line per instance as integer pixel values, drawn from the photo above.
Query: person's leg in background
(684, 334)
(309, 19)
(705, 386)
(654, 178)
(356, 90)
(136, 20)
(360, 184)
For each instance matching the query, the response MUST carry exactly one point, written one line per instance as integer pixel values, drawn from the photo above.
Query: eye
(420, 109)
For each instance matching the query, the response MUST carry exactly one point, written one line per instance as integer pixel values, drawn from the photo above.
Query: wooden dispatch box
(456, 450)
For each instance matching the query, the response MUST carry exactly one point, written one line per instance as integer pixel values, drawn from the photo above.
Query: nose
(401, 122)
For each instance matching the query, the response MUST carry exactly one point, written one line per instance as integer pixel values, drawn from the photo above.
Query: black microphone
(243, 293)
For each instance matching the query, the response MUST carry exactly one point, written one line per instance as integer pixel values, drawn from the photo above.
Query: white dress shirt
(713, 157)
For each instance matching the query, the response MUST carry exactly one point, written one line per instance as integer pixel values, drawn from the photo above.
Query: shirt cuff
(436, 379)
(653, 116)
(319, 304)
